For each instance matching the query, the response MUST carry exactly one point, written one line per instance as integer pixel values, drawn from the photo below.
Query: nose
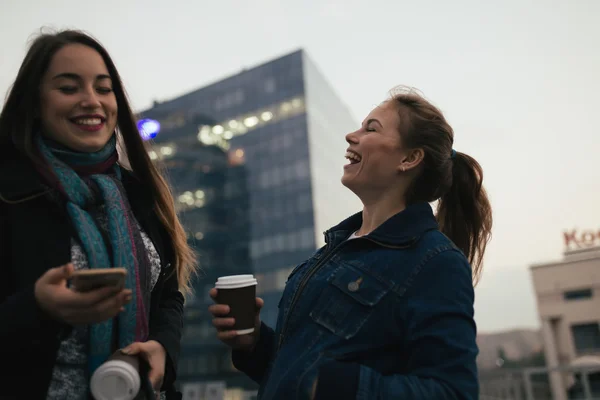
(90, 99)
(352, 138)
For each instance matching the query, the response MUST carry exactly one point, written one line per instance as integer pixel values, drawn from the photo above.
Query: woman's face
(78, 105)
(375, 153)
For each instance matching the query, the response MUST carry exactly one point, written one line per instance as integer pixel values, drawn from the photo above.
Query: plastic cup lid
(115, 380)
(235, 281)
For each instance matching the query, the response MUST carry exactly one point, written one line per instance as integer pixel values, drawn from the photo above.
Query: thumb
(133, 349)
(58, 274)
(155, 378)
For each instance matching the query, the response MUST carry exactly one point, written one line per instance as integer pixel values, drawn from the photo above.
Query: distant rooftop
(570, 256)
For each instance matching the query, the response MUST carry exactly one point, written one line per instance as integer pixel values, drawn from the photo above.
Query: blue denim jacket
(385, 316)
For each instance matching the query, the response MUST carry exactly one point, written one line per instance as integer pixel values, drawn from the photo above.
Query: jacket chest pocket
(348, 300)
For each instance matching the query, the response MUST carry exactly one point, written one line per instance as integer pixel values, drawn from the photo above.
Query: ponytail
(454, 179)
(464, 212)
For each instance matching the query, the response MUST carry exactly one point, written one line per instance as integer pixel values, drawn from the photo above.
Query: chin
(91, 145)
(348, 181)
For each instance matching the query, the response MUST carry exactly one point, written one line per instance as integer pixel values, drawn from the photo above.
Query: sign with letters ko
(576, 239)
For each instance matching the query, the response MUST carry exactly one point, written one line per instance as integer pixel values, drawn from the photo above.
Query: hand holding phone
(96, 299)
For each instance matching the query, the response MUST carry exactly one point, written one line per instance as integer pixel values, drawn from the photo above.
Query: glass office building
(255, 162)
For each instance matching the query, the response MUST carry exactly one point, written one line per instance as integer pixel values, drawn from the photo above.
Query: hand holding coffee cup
(117, 378)
(237, 312)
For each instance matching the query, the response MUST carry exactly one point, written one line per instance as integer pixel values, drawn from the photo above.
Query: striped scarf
(83, 187)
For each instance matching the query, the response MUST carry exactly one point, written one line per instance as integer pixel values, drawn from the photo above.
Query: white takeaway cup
(116, 379)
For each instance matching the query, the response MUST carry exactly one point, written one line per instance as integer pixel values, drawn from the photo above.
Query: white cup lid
(235, 281)
(115, 380)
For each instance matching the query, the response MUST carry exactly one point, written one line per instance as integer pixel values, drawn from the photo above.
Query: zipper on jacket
(303, 282)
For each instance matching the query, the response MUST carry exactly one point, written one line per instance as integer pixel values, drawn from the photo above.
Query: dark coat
(35, 235)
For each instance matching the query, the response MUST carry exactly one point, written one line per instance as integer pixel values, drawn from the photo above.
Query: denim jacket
(388, 315)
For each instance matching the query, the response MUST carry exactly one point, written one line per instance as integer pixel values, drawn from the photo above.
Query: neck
(379, 210)
(85, 164)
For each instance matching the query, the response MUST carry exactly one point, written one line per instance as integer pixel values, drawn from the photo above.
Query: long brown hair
(19, 121)
(454, 179)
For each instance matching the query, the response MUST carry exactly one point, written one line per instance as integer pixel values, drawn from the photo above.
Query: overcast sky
(518, 81)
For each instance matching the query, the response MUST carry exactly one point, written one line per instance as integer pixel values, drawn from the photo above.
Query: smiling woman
(66, 204)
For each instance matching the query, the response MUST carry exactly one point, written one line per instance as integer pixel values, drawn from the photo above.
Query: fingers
(227, 335)
(222, 310)
(95, 297)
(223, 324)
(101, 311)
(147, 351)
(133, 348)
(57, 275)
(219, 310)
(111, 306)
(213, 293)
(259, 303)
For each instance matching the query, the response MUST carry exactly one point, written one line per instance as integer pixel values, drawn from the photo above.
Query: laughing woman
(385, 309)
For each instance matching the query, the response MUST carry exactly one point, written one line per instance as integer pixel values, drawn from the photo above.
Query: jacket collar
(401, 229)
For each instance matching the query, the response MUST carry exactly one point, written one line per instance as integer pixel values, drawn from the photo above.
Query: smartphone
(85, 280)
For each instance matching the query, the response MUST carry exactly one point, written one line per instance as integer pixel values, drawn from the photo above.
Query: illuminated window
(166, 150)
(244, 123)
(251, 121)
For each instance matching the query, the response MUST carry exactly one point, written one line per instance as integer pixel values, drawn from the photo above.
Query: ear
(411, 160)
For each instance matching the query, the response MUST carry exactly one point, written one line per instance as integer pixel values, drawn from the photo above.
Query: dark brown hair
(454, 179)
(19, 122)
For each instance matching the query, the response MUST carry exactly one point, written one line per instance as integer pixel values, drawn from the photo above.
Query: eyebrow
(374, 120)
(71, 75)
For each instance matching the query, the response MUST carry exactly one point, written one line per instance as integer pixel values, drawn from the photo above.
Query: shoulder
(433, 245)
(18, 179)
(443, 265)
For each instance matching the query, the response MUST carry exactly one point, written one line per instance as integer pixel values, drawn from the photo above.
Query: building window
(586, 337)
(578, 294)
(270, 85)
(302, 169)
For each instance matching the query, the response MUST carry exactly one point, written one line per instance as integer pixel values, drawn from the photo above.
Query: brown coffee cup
(239, 293)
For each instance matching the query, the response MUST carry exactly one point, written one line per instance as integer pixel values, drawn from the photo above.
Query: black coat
(35, 235)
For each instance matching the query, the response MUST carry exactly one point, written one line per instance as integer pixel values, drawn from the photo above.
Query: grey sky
(518, 80)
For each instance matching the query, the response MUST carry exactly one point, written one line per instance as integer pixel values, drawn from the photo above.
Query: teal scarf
(123, 246)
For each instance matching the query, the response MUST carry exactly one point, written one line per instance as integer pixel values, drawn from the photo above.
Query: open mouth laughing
(353, 157)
